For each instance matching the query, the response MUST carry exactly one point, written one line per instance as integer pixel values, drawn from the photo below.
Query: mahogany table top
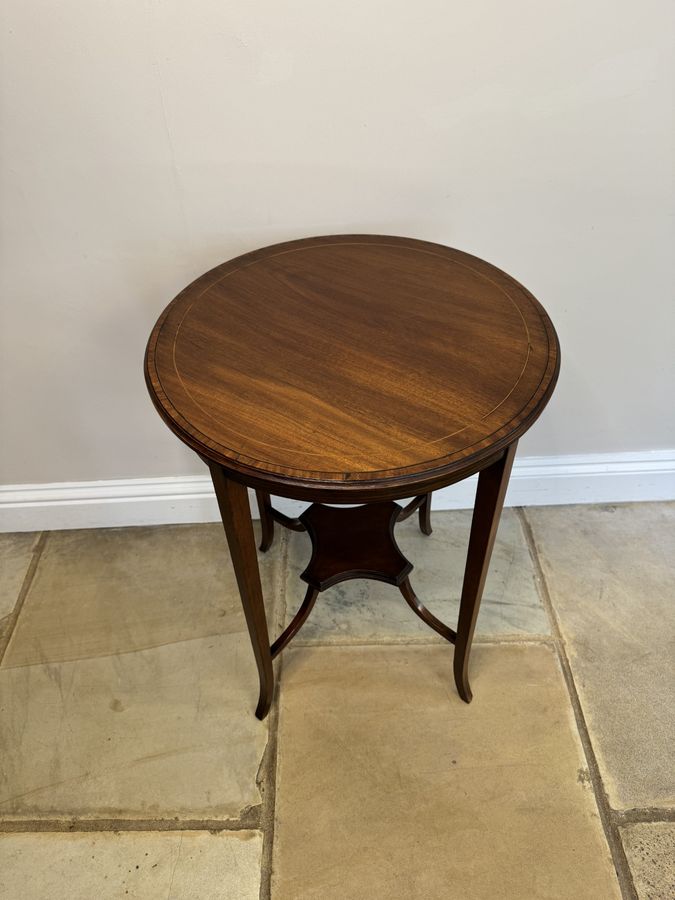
(351, 361)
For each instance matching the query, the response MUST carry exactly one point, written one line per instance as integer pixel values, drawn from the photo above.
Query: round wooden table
(353, 369)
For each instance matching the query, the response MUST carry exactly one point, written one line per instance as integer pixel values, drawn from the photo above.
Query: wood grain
(353, 365)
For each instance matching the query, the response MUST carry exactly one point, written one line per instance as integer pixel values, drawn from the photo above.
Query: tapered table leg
(266, 520)
(492, 484)
(235, 512)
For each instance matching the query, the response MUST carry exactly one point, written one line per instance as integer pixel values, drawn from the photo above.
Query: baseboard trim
(535, 481)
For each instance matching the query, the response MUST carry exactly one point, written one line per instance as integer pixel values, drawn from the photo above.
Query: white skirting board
(535, 481)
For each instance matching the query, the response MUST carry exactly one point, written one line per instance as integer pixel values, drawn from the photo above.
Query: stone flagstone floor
(131, 764)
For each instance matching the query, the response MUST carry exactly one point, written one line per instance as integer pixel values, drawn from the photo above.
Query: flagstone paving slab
(16, 552)
(143, 865)
(112, 590)
(154, 733)
(389, 786)
(370, 610)
(129, 684)
(611, 577)
(650, 849)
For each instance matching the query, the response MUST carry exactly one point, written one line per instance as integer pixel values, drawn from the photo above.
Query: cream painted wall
(143, 142)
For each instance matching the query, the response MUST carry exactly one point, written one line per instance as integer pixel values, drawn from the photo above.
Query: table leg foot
(492, 484)
(236, 515)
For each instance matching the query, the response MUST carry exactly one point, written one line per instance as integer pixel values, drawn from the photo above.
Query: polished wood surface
(235, 512)
(356, 363)
(492, 484)
(353, 369)
(359, 542)
(353, 542)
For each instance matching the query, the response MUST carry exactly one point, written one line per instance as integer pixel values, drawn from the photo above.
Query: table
(353, 369)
